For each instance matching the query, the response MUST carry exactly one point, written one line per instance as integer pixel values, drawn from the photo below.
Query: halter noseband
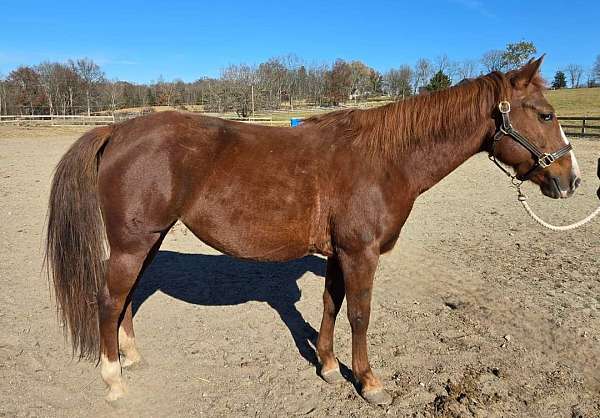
(542, 159)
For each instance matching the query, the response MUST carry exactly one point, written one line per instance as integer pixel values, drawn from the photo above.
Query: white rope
(523, 200)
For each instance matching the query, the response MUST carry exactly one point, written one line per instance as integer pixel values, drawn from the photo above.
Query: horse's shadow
(218, 280)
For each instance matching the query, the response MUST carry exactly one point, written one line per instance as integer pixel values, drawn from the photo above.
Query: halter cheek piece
(542, 159)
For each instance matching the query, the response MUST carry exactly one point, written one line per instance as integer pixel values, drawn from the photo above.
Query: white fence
(56, 120)
(71, 120)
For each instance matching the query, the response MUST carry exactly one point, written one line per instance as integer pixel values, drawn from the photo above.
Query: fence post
(583, 127)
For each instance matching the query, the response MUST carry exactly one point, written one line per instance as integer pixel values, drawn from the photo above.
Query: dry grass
(575, 102)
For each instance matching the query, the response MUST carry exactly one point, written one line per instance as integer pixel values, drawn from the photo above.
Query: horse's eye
(546, 117)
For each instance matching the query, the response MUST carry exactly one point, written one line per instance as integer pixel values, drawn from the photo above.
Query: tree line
(81, 87)
(575, 76)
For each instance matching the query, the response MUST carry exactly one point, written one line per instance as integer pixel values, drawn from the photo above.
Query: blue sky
(140, 40)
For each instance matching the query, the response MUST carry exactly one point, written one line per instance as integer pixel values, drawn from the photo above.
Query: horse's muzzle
(557, 189)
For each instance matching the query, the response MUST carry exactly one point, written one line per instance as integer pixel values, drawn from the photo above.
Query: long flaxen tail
(75, 242)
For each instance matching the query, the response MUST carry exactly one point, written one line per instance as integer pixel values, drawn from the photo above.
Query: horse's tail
(75, 242)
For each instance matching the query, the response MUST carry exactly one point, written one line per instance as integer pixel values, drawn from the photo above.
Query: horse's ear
(524, 75)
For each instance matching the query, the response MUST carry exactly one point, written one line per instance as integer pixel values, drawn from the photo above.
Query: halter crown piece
(541, 159)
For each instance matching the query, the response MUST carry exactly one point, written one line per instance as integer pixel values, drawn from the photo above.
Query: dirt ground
(477, 311)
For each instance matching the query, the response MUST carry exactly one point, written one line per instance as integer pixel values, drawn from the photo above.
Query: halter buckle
(546, 159)
(504, 107)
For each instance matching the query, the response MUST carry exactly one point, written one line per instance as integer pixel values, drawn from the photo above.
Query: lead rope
(523, 199)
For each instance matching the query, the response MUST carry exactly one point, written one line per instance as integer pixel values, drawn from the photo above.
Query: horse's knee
(359, 321)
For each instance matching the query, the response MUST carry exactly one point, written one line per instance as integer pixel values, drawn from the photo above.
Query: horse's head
(530, 139)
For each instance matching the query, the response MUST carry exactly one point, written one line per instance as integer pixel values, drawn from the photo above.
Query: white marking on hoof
(111, 374)
(128, 348)
(115, 393)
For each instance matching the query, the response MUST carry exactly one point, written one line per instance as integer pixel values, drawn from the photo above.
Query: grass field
(575, 102)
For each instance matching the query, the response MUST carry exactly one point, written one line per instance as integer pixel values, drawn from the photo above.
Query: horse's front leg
(333, 296)
(358, 268)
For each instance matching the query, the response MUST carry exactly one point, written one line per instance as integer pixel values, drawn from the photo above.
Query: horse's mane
(391, 129)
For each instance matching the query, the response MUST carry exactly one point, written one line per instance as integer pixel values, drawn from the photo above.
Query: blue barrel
(295, 122)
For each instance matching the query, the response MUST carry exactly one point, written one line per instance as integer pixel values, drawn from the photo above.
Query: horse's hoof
(115, 393)
(133, 364)
(333, 376)
(377, 397)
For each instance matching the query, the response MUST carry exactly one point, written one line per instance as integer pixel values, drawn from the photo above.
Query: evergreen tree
(560, 81)
(439, 81)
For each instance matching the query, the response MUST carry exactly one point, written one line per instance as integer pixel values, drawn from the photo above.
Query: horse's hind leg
(126, 335)
(127, 346)
(127, 257)
(333, 296)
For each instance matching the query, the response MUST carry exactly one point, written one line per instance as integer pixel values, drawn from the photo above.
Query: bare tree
(166, 92)
(361, 79)
(72, 86)
(574, 71)
(466, 69)
(596, 70)
(397, 82)
(591, 78)
(292, 66)
(272, 80)
(113, 91)
(91, 75)
(2, 94)
(442, 63)
(493, 60)
(238, 81)
(317, 83)
(422, 73)
(50, 82)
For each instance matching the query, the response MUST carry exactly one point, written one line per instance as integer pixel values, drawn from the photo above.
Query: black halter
(542, 159)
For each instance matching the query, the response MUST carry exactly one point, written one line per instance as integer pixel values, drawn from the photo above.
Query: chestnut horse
(341, 185)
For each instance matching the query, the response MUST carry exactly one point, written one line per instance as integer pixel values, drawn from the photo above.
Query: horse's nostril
(576, 183)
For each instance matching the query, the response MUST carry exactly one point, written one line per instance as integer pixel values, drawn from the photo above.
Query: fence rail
(588, 126)
(577, 126)
(65, 120)
(56, 120)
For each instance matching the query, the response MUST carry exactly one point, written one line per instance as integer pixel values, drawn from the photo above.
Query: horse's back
(249, 191)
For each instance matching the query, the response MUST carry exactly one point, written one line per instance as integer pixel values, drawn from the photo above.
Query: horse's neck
(429, 162)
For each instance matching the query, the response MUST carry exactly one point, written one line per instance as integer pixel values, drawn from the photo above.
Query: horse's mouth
(553, 190)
